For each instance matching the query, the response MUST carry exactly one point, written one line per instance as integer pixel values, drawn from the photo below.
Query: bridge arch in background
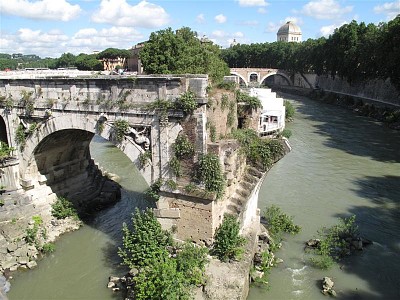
(277, 73)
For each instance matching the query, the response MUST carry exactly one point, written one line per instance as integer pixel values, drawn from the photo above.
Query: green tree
(66, 60)
(182, 52)
(88, 62)
(145, 243)
(161, 281)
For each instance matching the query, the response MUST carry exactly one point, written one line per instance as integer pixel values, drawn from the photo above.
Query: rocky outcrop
(327, 287)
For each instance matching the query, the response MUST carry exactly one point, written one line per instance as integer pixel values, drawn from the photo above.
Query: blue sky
(49, 28)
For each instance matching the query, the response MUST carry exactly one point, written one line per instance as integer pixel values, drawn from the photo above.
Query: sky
(49, 28)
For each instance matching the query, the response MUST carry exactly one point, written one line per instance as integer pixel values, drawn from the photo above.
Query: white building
(289, 32)
(272, 117)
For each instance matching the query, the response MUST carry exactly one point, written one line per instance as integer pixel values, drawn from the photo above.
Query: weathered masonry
(51, 121)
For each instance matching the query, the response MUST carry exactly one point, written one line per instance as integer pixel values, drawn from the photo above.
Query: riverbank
(383, 112)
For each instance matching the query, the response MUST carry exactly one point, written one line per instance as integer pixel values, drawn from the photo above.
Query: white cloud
(225, 39)
(120, 13)
(262, 10)
(325, 9)
(274, 26)
(200, 19)
(54, 42)
(329, 29)
(251, 23)
(220, 18)
(44, 9)
(390, 9)
(247, 3)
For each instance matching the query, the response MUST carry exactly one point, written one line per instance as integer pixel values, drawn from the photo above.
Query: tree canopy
(355, 51)
(181, 52)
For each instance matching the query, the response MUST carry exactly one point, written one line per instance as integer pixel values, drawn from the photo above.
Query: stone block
(42, 179)
(172, 213)
(31, 264)
(12, 247)
(26, 184)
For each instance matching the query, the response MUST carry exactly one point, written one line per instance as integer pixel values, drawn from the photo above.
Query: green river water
(341, 164)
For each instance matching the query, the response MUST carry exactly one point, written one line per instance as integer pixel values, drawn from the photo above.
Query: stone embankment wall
(377, 90)
(20, 208)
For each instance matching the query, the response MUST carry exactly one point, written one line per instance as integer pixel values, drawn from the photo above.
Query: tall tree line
(355, 51)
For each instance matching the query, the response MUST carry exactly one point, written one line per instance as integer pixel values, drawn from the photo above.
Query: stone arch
(253, 77)
(3, 131)
(278, 73)
(241, 77)
(59, 147)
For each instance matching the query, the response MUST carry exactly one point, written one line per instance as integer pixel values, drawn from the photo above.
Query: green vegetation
(175, 166)
(224, 101)
(160, 275)
(31, 233)
(279, 222)
(183, 148)
(250, 101)
(5, 151)
(261, 153)
(181, 52)
(171, 184)
(355, 51)
(334, 243)
(144, 159)
(289, 109)
(121, 128)
(286, 133)
(154, 189)
(48, 248)
(63, 208)
(209, 172)
(227, 85)
(228, 242)
(213, 132)
(187, 102)
(27, 102)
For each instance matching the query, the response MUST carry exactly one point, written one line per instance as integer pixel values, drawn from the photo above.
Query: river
(341, 164)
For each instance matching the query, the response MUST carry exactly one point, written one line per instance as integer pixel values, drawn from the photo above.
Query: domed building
(289, 32)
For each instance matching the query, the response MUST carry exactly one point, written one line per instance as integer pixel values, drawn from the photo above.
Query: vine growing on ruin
(186, 102)
(209, 172)
(121, 128)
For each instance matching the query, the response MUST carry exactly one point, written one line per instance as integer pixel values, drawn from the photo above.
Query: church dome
(289, 28)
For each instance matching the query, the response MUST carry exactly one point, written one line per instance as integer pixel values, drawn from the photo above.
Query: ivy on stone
(187, 102)
(121, 128)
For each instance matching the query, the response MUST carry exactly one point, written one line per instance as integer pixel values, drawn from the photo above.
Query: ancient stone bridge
(259, 75)
(51, 121)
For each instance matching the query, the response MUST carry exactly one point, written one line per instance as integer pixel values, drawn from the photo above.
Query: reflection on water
(341, 164)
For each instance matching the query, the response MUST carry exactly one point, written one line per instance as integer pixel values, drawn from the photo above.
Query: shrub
(210, 173)
(187, 102)
(227, 85)
(250, 101)
(154, 189)
(334, 242)
(228, 243)
(191, 261)
(279, 222)
(289, 109)
(48, 248)
(259, 152)
(5, 151)
(183, 147)
(62, 209)
(145, 243)
(286, 133)
(213, 133)
(161, 280)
